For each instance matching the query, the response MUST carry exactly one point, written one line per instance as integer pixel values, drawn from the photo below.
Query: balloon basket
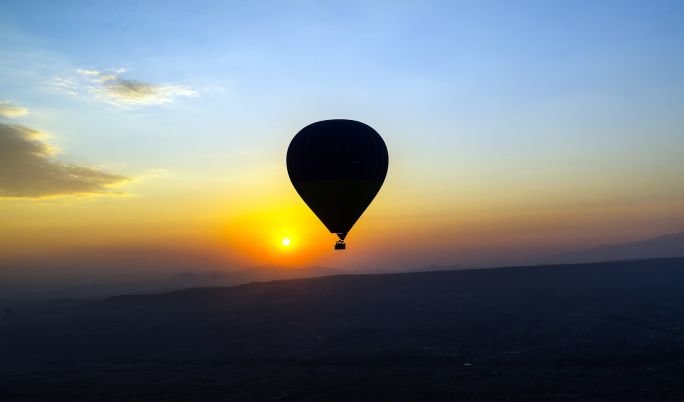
(340, 245)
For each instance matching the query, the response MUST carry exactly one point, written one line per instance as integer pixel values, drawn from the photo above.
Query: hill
(610, 331)
(666, 246)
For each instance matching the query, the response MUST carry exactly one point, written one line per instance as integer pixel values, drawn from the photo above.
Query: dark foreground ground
(612, 331)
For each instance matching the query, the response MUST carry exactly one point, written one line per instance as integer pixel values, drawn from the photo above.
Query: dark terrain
(609, 331)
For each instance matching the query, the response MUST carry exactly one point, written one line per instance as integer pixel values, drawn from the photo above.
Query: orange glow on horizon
(286, 234)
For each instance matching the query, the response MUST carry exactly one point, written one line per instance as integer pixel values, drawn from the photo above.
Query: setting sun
(286, 242)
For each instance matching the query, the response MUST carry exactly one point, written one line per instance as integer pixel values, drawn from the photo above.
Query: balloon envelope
(337, 167)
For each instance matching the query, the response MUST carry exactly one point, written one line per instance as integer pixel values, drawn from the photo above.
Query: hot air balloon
(337, 167)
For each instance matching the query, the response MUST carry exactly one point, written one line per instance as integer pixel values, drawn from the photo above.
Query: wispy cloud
(8, 109)
(110, 87)
(29, 169)
(68, 85)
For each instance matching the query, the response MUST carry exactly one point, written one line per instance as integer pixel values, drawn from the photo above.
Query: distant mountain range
(671, 245)
(666, 246)
(242, 276)
(182, 280)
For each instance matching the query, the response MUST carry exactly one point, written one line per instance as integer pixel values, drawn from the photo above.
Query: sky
(152, 136)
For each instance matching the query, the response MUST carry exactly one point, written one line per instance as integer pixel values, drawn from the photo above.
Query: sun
(286, 242)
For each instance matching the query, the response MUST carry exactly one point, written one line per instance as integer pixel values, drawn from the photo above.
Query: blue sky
(484, 104)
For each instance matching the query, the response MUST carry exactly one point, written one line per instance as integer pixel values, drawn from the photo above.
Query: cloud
(8, 109)
(68, 85)
(28, 168)
(111, 88)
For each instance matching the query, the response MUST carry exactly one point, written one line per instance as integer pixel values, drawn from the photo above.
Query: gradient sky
(153, 134)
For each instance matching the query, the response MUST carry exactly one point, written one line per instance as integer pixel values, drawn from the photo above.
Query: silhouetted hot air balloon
(337, 167)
